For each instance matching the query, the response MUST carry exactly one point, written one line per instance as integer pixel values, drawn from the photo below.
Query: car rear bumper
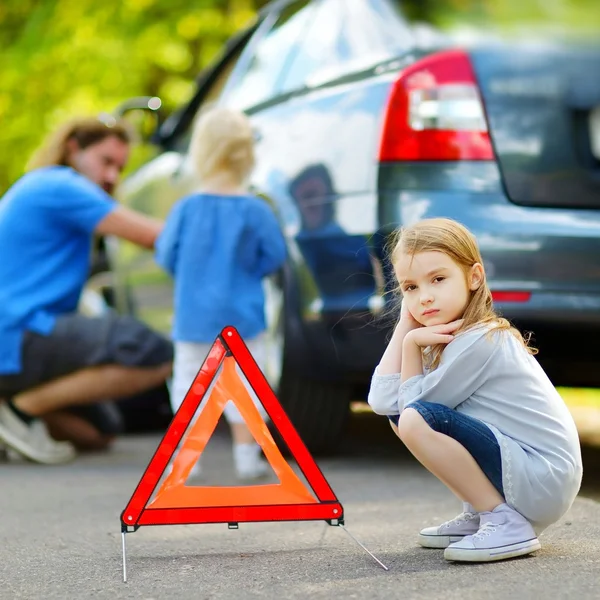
(555, 310)
(550, 250)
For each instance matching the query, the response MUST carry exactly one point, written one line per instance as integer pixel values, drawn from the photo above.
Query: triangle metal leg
(364, 548)
(325, 528)
(124, 557)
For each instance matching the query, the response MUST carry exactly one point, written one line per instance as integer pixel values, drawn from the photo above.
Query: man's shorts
(473, 434)
(78, 342)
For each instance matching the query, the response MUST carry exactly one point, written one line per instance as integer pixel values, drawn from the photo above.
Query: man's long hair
(86, 131)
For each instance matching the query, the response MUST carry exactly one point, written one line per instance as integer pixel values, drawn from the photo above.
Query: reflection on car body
(362, 128)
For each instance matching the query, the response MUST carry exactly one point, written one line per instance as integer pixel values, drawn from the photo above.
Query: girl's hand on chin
(436, 334)
(407, 319)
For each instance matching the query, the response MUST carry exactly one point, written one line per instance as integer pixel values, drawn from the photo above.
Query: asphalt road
(60, 535)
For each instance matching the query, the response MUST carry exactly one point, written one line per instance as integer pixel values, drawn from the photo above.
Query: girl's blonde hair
(458, 243)
(86, 131)
(223, 140)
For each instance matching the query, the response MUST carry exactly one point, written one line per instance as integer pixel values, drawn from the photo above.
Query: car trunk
(543, 109)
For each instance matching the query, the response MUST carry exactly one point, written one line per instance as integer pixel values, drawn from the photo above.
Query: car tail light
(506, 296)
(435, 112)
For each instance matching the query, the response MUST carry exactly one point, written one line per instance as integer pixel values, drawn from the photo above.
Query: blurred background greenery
(62, 58)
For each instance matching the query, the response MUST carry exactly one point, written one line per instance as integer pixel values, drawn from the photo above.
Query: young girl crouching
(465, 395)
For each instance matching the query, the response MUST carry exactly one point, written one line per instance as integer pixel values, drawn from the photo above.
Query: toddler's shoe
(467, 523)
(248, 462)
(503, 533)
(195, 473)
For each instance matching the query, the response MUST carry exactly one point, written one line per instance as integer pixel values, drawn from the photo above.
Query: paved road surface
(60, 536)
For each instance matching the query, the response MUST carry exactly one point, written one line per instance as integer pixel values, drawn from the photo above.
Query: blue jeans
(471, 433)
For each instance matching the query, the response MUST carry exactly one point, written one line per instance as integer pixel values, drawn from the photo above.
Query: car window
(213, 94)
(211, 98)
(267, 59)
(345, 36)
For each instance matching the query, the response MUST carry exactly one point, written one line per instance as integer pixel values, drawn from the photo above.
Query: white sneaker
(248, 462)
(32, 441)
(467, 523)
(504, 533)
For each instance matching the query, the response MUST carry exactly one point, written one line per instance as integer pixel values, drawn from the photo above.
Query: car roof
(275, 5)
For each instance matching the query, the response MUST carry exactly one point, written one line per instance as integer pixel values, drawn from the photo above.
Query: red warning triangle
(174, 503)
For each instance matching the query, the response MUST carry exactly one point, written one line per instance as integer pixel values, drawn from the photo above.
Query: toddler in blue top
(218, 244)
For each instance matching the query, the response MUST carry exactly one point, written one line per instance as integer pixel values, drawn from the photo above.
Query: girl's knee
(411, 425)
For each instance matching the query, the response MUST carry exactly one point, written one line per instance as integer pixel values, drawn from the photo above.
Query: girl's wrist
(406, 327)
(411, 330)
(411, 358)
(411, 342)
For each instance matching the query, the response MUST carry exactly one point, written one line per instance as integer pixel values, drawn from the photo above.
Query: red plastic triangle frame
(326, 505)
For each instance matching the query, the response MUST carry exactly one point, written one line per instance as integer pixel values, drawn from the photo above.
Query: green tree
(62, 58)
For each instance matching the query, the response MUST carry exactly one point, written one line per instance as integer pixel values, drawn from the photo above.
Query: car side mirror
(143, 113)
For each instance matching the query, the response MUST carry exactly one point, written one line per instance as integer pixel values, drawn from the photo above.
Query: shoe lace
(485, 530)
(462, 518)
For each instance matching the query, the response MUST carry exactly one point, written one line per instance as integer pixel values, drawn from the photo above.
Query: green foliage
(62, 58)
(562, 17)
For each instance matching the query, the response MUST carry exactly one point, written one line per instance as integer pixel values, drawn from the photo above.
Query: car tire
(318, 409)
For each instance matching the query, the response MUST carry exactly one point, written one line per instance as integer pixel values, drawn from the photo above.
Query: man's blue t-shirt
(47, 221)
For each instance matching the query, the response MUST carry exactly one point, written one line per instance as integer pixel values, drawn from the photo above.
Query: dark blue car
(365, 122)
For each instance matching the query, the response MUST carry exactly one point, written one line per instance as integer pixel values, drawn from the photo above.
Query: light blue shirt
(491, 377)
(218, 249)
(47, 222)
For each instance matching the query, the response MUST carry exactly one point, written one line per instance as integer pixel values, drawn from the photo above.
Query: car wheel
(318, 409)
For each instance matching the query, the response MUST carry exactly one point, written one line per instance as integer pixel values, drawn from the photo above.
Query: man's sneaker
(467, 523)
(504, 533)
(248, 462)
(32, 441)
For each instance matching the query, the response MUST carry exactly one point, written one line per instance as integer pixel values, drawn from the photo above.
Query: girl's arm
(383, 393)
(391, 361)
(167, 244)
(415, 341)
(412, 359)
(466, 364)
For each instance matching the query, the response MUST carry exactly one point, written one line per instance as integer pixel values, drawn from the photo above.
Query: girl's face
(435, 288)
